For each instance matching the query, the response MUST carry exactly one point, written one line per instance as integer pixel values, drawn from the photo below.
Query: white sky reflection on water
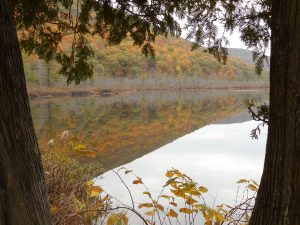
(215, 156)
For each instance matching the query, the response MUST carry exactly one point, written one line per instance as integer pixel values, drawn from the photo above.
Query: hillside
(124, 66)
(244, 55)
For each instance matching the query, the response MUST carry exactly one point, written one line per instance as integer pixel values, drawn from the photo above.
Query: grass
(66, 180)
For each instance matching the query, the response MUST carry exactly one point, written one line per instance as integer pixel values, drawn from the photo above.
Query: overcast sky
(235, 42)
(234, 39)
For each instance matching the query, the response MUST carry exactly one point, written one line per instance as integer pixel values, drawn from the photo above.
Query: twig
(126, 187)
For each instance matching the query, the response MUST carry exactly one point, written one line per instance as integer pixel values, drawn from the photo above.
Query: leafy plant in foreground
(183, 201)
(80, 200)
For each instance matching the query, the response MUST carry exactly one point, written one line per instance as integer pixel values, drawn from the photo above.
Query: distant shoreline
(48, 92)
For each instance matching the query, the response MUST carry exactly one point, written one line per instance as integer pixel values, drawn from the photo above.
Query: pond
(205, 134)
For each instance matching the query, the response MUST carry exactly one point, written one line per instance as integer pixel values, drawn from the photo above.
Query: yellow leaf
(195, 192)
(79, 147)
(89, 183)
(173, 204)
(191, 201)
(138, 181)
(242, 181)
(147, 193)
(117, 218)
(172, 213)
(169, 174)
(199, 206)
(172, 182)
(95, 191)
(207, 217)
(147, 205)
(150, 213)
(177, 173)
(160, 207)
(219, 217)
(178, 192)
(203, 189)
(174, 185)
(165, 196)
(252, 187)
(208, 220)
(186, 210)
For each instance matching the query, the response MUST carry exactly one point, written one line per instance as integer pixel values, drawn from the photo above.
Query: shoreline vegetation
(48, 92)
(123, 68)
(76, 198)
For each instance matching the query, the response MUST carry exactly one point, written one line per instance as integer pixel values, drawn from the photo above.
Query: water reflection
(127, 126)
(204, 134)
(215, 156)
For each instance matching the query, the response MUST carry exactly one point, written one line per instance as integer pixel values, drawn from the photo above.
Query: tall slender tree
(23, 196)
(42, 25)
(278, 199)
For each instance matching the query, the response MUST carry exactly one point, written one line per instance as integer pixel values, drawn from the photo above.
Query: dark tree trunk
(278, 200)
(23, 196)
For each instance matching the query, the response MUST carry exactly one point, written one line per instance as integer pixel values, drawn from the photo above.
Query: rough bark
(278, 200)
(23, 196)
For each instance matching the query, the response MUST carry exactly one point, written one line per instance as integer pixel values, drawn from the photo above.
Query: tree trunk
(278, 200)
(23, 196)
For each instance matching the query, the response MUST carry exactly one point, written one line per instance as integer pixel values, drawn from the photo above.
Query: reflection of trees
(152, 114)
(121, 131)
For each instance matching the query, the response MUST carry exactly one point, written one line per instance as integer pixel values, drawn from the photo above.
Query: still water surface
(216, 156)
(204, 134)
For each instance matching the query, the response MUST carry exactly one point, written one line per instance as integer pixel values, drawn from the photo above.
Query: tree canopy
(43, 26)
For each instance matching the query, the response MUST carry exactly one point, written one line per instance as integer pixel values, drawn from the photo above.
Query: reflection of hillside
(123, 128)
(236, 118)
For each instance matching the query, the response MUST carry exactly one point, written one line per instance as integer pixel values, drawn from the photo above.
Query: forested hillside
(245, 55)
(174, 65)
